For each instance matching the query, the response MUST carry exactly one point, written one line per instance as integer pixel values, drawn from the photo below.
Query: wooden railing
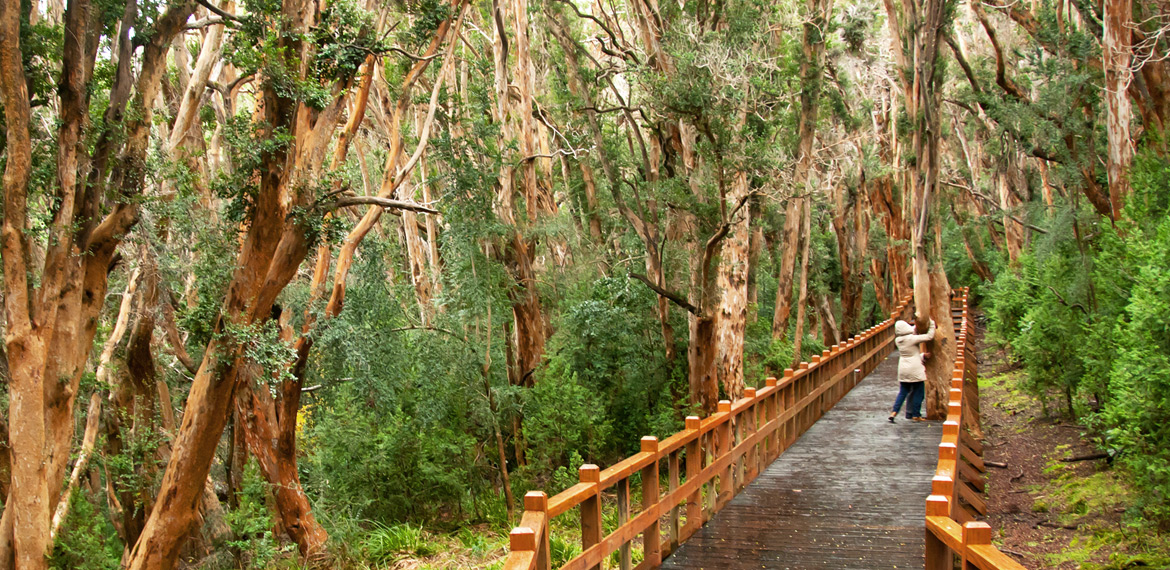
(706, 464)
(952, 533)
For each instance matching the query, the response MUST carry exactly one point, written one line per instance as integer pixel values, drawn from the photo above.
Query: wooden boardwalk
(850, 494)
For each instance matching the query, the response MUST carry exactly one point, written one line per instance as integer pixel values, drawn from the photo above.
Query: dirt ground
(1045, 512)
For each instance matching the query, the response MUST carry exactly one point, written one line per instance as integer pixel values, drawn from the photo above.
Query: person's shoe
(918, 419)
(892, 416)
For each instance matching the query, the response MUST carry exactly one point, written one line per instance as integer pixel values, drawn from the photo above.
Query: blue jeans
(916, 391)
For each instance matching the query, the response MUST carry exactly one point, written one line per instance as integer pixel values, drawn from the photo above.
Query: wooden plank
(799, 400)
(569, 498)
(947, 530)
(972, 476)
(813, 510)
(975, 461)
(625, 559)
(966, 493)
(988, 557)
(624, 468)
(970, 441)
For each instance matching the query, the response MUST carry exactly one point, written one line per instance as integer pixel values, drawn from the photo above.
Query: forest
(324, 283)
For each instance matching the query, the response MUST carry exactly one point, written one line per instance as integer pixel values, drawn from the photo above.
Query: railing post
(725, 445)
(694, 466)
(625, 560)
(801, 392)
(938, 556)
(825, 377)
(974, 534)
(522, 539)
(537, 501)
(771, 412)
(591, 510)
(672, 483)
(651, 539)
(789, 402)
(751, 458)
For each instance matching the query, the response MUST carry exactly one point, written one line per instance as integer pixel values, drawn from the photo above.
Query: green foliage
(344, 37)
(385, 544)
(1090, 321)
(763, 353)
(609, 339)
(386, 464)
(251, 522)
(87, 540)
(41, 45)
(250, 145)
(562, 417)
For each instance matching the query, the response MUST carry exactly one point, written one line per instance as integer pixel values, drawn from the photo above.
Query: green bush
(87, 540)
(252, 523)
(385, 544)
(385, 465)
(562, 417)
(1089, 319)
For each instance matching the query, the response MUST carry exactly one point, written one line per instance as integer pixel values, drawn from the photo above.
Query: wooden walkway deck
(850, 494)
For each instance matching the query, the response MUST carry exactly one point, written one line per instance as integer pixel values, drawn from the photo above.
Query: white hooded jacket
(910, 365)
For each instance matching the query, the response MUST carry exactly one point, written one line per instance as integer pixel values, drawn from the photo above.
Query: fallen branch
(995, 464)
(1089, 457)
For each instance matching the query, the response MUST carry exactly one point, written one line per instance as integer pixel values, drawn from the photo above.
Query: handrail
(707, 463)
(951, 531)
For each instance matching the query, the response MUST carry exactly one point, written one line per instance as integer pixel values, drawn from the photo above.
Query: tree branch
(348, 201)
(215, 10)
(674, 297)
(1060, 298)
(995, 205)
(412, 56)
(612, 38)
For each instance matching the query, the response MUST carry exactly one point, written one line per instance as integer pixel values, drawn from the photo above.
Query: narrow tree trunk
(802, 301)
(701, 362)
(1116, 51)
(790, 248)
(829, 330)
(1015, 234)
(816, 17)
(942, 348)
(276, 455)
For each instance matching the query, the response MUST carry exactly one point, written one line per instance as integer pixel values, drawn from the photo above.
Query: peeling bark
(732, 283)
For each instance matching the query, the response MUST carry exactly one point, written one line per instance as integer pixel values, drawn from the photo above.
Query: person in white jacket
(911, 369)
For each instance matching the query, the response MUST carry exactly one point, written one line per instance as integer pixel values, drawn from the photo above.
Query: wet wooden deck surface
(850, 494)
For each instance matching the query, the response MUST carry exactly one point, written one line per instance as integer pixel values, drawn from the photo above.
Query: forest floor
(1049, 513)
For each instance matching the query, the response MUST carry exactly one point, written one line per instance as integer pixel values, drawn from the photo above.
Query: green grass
(1091, 503)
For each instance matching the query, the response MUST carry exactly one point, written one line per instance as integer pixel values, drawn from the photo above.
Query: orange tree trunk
(732, 282)
(1117, 53)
